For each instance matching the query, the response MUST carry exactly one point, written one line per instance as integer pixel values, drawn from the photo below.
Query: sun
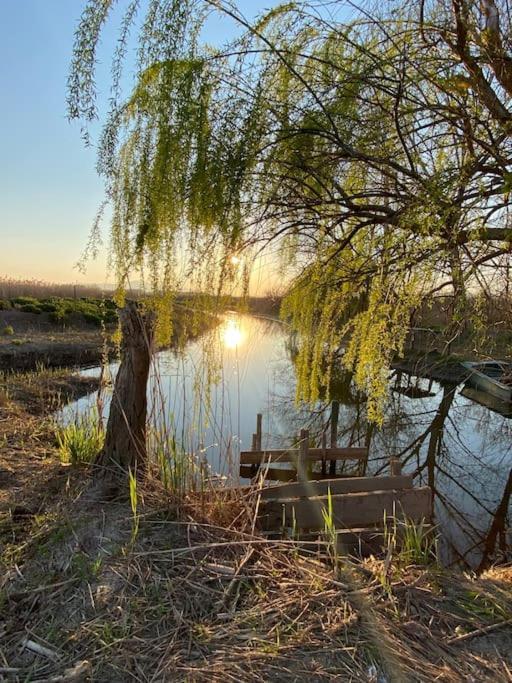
(235, 260)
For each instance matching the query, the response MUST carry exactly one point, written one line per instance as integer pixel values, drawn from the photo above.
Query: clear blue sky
(49, 192)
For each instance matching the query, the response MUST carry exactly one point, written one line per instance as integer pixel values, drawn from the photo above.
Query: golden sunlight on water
(232, 334)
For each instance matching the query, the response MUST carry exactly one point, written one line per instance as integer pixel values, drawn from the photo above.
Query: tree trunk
(125, 439)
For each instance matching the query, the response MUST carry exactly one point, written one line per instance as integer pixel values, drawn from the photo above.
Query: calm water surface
(460, 448)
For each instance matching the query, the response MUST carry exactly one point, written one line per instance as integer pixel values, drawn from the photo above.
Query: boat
(489, 401)
(488, 376)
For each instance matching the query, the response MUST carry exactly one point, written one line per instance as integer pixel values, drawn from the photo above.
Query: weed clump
(24, 301)
(80, 441)
(8, 331)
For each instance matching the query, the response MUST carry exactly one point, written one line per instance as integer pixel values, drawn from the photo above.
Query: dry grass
(31, 476)
(191, 600)
(12, 287)
(44, 390)
(198, 594)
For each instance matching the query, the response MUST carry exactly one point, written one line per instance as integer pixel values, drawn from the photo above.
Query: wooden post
(259, 418)
(254, 468)
(302, 462)
(395, 467)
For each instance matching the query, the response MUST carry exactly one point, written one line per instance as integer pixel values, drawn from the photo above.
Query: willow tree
(378, 169)
(351, 144)
(174, 173)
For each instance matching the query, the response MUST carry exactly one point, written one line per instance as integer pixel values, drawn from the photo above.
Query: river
(209, 395)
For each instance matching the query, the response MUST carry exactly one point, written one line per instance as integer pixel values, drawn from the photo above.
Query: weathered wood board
(335, 486)
(274, 473)
(278, 474)
(349, 509)
(361, 542)
(292, 455)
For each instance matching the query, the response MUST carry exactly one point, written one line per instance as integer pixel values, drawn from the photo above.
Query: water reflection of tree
(442, 456)
(498, 529)
(430, 430)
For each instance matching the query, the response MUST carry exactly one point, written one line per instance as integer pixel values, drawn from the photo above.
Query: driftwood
(125, 439)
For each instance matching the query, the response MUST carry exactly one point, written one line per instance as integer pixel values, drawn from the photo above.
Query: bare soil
(38, 342)
(30, 472)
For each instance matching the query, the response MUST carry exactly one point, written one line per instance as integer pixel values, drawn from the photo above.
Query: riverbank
(30, 472)
(187, 589)
(34, 341)
(433, 365)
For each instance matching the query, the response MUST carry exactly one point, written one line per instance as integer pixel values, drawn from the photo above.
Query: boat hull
(480, 380)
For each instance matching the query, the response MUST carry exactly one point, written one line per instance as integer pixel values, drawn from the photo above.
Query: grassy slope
(36, 340)
(198, 595)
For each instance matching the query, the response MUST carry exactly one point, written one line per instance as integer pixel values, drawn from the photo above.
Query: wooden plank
(275, 473)
(350, 509)
(357, 542)
(292, 455)
(336, 486)
(363, 542)
(270, 473)
(324, 449)
(335, 413)
(395, 466)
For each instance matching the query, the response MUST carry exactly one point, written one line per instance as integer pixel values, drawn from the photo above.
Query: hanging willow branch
(357, 146)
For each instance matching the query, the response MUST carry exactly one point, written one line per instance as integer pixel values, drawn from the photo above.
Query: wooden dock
(359, 504)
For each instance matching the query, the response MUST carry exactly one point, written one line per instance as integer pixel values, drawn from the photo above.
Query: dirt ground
(36, 341)
(30, 472)
(180, 597)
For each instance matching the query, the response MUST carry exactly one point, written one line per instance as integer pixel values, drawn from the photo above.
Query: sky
(49, 190)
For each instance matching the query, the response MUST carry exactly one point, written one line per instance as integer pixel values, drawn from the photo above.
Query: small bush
(61, 309)
(8, 331)
(24, 300)
(79, 442)
(5, 305)
(58, 316)
(30, 308)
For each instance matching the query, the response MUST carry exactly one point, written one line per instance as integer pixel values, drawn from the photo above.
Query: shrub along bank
(65, 310)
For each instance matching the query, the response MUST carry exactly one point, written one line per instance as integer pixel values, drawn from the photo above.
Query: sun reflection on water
(232, 334)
